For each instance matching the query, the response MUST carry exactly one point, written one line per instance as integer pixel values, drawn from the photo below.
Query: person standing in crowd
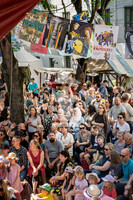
(29, 101)
(103, 89)
(83, 93)
(21, 154)
(91, 96)
(116, 91)
(33, 87)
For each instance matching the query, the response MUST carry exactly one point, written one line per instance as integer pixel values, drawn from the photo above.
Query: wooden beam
(110, 80)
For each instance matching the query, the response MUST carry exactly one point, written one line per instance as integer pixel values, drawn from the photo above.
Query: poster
(55, 32)
(129, 43)
(33, 26)
(105, 40)
(79, 38)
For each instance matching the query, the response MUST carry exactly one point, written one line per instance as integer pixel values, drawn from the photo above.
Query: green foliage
(44, 4)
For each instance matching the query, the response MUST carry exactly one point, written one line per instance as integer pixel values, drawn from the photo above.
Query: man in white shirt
(67, 139)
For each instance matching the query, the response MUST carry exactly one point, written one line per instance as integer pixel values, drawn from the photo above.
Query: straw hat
(12, 156)
(92, 191)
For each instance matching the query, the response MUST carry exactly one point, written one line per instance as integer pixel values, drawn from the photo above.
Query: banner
(79, 38)
(38, 48)
(55, 32)
(11, 12)
(33, 26)
(104, 44)
(129, 43)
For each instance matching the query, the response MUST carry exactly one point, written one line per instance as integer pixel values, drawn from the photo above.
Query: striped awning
(121, 65)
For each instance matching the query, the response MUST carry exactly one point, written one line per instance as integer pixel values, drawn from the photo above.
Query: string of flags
(78, 37)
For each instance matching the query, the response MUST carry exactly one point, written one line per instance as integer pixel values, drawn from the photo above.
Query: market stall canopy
(12, 12)
(119, 65)
(53, 70)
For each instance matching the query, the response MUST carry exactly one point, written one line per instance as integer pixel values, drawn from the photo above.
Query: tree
(14, 78)
(95, 5)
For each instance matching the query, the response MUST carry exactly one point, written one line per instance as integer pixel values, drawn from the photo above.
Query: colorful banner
(105, 40)
(33, 26)
(11, 12)
(55, 32)
(80, 17)
(79, 38)
(129, 43)
(38, 48)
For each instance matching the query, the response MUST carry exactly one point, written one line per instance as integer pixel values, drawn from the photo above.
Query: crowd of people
(72, 145)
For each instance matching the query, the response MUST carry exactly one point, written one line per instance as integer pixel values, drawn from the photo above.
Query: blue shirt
(31, 87)
(127, 169)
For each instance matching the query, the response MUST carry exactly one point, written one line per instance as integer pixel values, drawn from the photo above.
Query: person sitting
(67, 139)
(75, 121)
(53, 147)
(45, 194)
(127, 169)
(89, 116)
(120, 142)
(55, 128)
(36, 160)
(21, 153)
(129, 143)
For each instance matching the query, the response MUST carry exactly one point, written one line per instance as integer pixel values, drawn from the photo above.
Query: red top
(36, 162)
(112, 193)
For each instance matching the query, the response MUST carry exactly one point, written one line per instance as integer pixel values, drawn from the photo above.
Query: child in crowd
(80, 185)
(92, 178)
(100, 149)
(45, 194)
(3, 168)
(67, 184)
(14, 172)
(109, 187)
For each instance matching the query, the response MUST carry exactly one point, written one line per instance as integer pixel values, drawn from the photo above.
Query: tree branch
(64, 7)
(78, 5)
(48, 7)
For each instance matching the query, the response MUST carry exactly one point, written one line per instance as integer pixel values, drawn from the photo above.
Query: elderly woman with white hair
(75, 121)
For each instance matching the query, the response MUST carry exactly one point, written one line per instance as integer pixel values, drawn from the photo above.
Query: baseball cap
(69, 169)
(46, 187)
(108, 178)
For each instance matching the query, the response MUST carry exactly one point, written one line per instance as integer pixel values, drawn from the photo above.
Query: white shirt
(69, 139)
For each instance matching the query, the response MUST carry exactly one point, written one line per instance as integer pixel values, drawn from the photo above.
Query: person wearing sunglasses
(127, 169)
(120, 125)
(83, 93)
(39, 137)
(103, 166)
(98, 100)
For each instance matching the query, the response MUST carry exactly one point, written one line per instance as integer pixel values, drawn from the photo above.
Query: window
(129, 17)
(52, 62)
(68, 61)
(67, 15)
(107, 16)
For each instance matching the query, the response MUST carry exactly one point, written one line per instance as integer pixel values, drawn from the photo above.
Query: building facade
(122, 16)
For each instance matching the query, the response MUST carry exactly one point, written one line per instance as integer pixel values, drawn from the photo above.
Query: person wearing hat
(109, 187)
(14, 173)
(45, 194)
(92, 178)
(94, 193)
(67, 184)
